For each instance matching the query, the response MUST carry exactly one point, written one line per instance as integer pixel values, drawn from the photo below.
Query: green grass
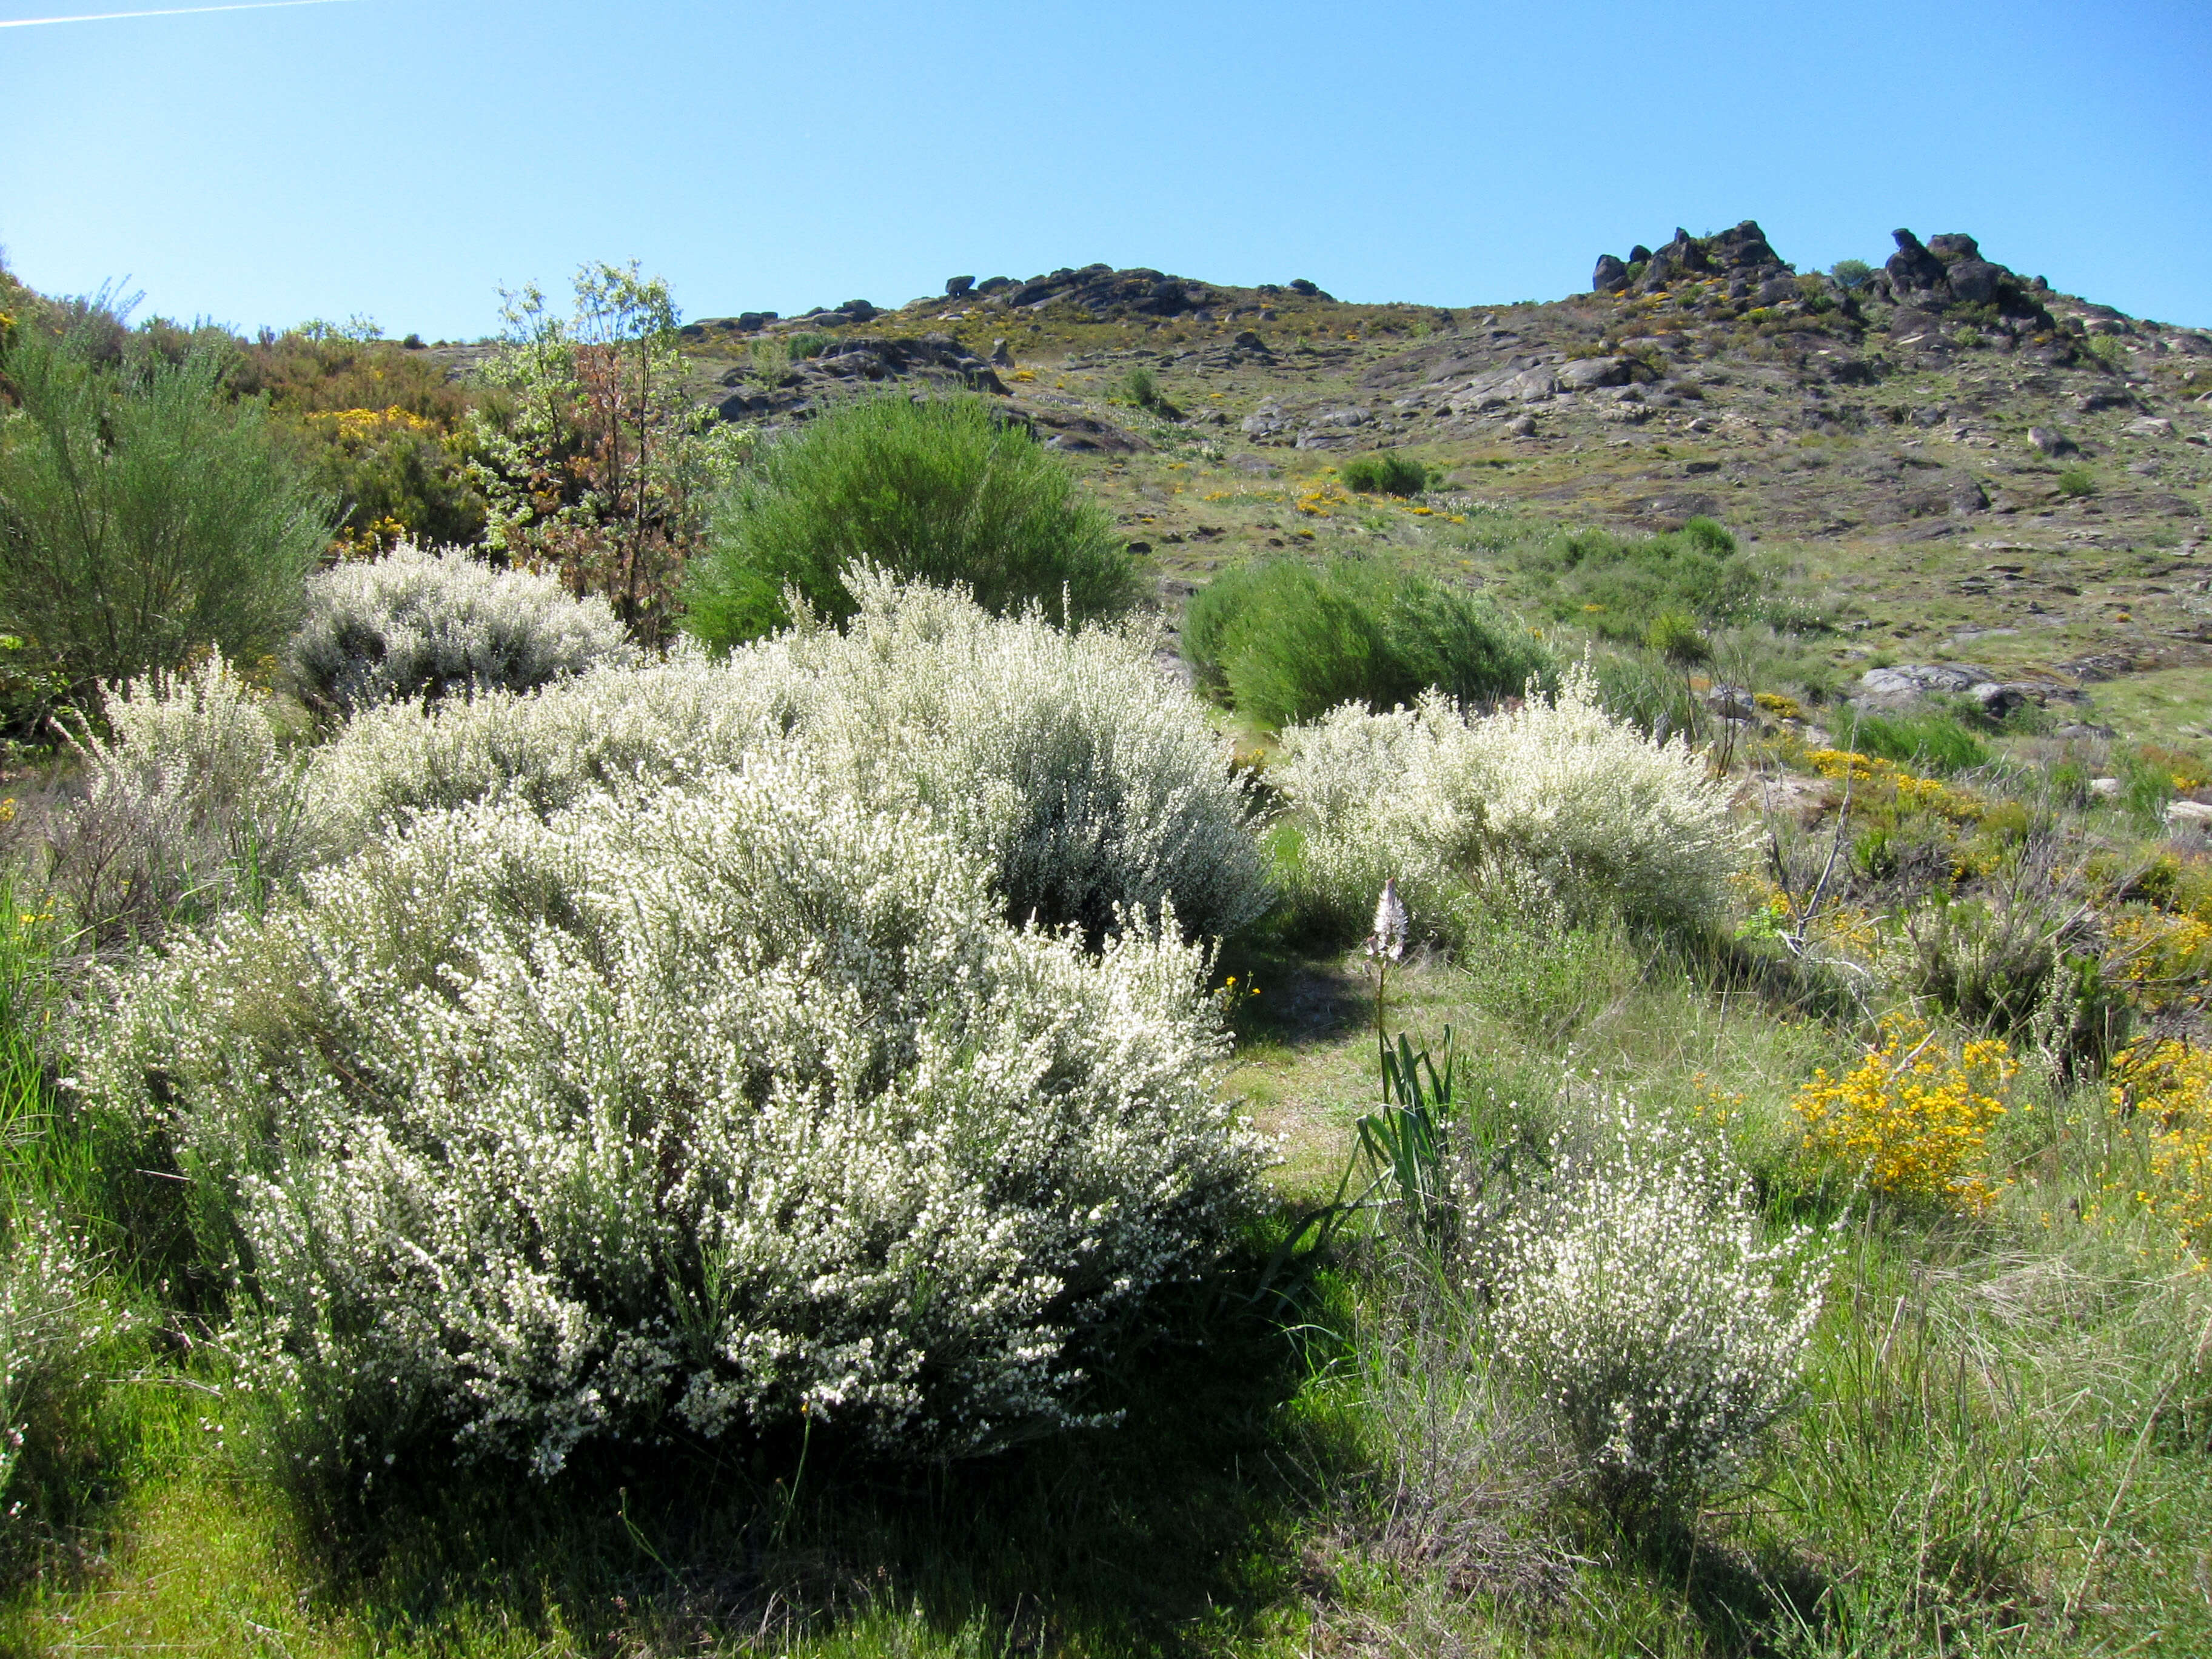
(1930, 742)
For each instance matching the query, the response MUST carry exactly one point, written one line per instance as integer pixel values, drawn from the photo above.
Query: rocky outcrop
(852, 359)
(1108, 294)
(1887, 689)
(1742, 256)
(1934, 277)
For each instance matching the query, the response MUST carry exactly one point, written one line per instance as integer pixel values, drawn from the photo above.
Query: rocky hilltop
(1986, 472)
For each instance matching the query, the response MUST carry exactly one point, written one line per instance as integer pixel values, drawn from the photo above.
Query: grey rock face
(2051, 443)
(1973, 281)
(1913, 268)
(1610, 276)
(1587, 374)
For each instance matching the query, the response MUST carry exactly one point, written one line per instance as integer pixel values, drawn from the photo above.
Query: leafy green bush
(1286, 639)
(1676, 636)
(1142, 388)
(1618, 587)
(1852, 275)
(145, 515)
(688, 1115)
(1385, 472)
(941, 490)
(2076, 482)
(1932, 742)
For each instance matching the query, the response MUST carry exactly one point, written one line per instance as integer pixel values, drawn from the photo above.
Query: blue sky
(402, 159)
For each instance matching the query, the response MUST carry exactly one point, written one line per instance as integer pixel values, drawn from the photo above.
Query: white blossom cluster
(430, 623)
(1556, 795)
(1091, 783)
(701, 1107)
(188, 805)
(1639, 1297)
(49, 1318)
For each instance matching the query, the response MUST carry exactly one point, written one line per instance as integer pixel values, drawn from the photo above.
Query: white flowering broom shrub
(188, 807)
(1093, 785)
(689, 1112)
(1638, 1295)
(1557, 795)
(429, 624)
(51, 1319)
(1097, 783)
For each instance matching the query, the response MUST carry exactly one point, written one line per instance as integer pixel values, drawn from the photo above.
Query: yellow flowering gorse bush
(1914, 1116)
(2170, 1084)
(1870, 773)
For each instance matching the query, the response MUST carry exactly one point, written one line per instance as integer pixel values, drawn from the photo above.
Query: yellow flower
(2170, 1084)
(1913, 1117)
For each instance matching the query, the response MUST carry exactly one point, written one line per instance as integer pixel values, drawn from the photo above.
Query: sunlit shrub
(429, 624)
(1913, 1117)
(1640, 1297)
(1935, 743)
(1556, 794)
(686, 1113)
(188, 807)
(146, 515)
(51, 1319)
(1385, 472)
(942, 491)
(1090, 781)
(1288, 641)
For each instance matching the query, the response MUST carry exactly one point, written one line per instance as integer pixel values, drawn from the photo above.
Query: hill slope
(1968, 461)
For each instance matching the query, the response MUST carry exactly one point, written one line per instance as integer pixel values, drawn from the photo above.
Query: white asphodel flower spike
(1388, 941)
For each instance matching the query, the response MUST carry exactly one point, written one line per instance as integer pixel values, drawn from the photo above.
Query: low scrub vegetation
(733, 1107)
(883, 1128)
(1385, 473)
(1556, 801)
(148, 514)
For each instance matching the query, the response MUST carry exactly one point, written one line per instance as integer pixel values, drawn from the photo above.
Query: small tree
(595, 465)
(145, 515)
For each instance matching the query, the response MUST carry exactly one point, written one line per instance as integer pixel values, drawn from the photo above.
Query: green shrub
(1142, 388)
(803, 346)
(942, 490)
(1286, 639)
(1618, 587)
(1930, 742)
(1385, 473)
(145, 515)
(1676, 636)
(1852, 275)
(2076, 482)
